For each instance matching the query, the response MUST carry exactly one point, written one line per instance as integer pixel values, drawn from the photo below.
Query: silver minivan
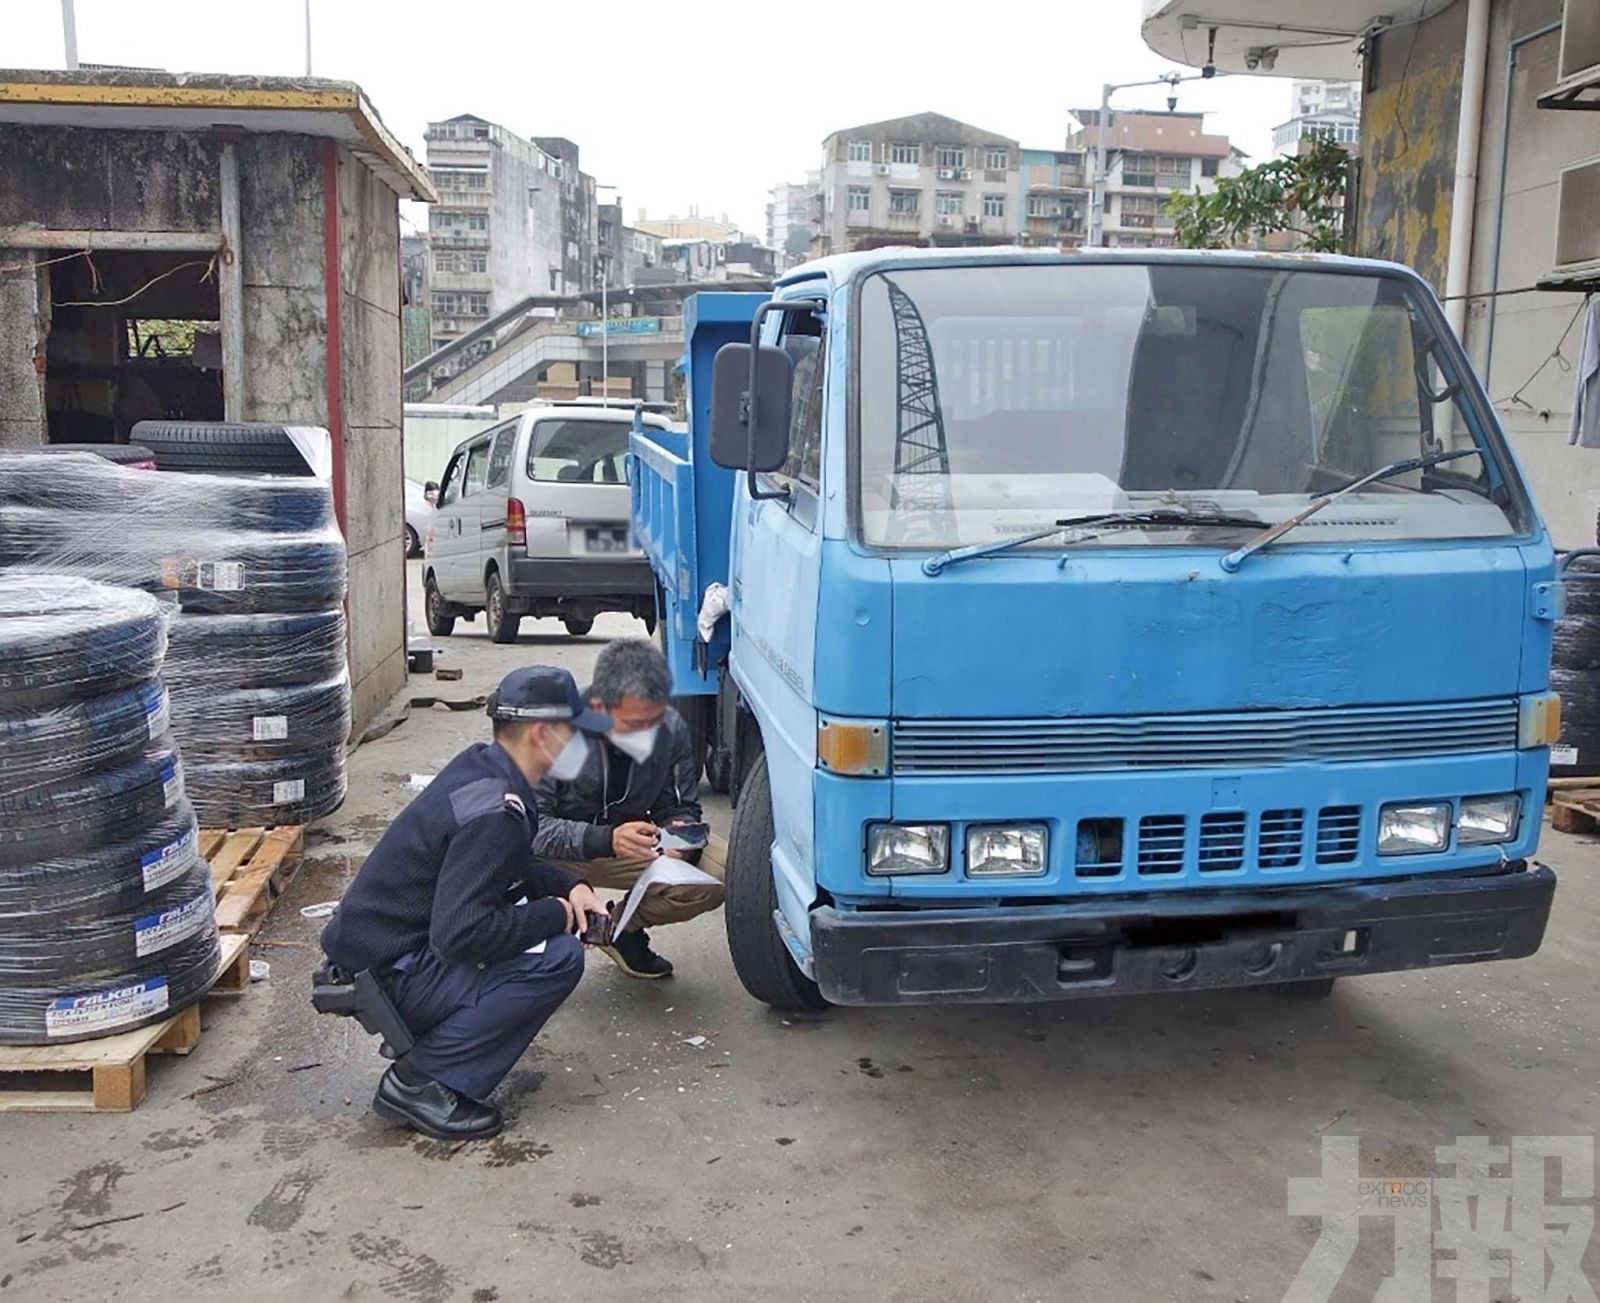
(532, 519)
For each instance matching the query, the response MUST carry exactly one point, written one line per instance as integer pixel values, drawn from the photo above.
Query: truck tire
(261, 723)
(76, 814)
(64, 638)
(760, 958)
(440, 614)
(225, 652)
(121, 454)
(504, 625)
(101, 879)
(77, 738)
(230, 793)
(145, 991)
(250, 573)
(1580, 720)
(221, 447)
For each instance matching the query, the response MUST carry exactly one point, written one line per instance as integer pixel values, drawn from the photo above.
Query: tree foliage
(1303, 195)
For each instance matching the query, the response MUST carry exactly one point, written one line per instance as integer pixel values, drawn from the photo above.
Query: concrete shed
(214, 248)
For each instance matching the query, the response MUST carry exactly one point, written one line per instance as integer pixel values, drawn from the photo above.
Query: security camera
(1252, 60)
(1172, 103)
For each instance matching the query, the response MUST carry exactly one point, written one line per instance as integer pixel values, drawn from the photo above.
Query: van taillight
(516, 522)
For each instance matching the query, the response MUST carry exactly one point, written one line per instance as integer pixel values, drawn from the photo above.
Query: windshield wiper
(1267, 537)
(1160, 517)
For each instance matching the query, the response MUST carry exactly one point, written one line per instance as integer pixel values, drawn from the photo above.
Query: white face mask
(567, 764)
(636, 746)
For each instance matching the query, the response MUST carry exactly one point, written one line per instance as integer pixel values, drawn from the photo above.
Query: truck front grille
(1223, 740)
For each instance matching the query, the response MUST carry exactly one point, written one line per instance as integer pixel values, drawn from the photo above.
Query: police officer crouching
(434, 913)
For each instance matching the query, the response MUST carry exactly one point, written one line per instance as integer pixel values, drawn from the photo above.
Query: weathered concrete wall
(21, 385)
(1408, 133)
(369, 275)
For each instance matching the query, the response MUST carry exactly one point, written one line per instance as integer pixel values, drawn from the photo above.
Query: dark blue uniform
(432, 912)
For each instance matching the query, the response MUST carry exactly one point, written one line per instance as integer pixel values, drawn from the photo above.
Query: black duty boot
(632, 954)
(435, 1110)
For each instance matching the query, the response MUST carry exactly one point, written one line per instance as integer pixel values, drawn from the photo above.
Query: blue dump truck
(1120, 621)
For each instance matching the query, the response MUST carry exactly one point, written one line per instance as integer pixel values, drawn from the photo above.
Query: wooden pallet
(250, 869)
(1575, 809)
(107, 1075)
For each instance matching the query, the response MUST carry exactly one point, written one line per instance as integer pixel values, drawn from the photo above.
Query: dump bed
(683, 501)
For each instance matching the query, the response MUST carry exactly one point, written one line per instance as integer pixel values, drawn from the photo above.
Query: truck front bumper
(1177, 941)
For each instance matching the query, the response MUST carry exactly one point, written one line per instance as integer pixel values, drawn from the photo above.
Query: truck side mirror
(737, 442)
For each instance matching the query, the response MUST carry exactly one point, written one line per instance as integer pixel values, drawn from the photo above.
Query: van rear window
(578, 452)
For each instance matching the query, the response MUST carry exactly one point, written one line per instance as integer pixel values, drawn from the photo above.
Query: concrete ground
(1129, 1149)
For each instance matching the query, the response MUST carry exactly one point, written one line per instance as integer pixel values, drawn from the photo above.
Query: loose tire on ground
(221, 447)
(760, 957)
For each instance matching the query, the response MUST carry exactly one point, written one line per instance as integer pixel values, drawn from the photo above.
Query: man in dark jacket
(605, 823)
(469, 933)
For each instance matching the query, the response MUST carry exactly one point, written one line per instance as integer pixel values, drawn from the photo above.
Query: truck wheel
(578, 626)
(503, 625)
(413, 543)
(441, 619)
(1310, 988)
(760, 958)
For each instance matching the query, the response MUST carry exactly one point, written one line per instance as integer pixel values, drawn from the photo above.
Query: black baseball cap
(544, 693)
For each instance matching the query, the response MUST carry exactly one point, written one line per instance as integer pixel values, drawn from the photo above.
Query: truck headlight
(908, 848)
(1487, 819)
(1413, 829)
(1000, 850)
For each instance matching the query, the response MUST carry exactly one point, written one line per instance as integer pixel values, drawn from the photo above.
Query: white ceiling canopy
(1281, 38)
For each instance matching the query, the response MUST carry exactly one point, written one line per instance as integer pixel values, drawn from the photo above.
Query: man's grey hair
(631, 667)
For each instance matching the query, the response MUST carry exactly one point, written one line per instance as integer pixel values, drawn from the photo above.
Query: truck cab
(1108, 622)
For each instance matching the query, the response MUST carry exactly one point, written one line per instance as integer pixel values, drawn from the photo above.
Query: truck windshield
(996, 400)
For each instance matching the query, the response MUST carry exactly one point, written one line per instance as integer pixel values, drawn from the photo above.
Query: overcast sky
(704, 103)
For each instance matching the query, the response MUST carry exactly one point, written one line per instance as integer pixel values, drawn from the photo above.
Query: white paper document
(665, 872)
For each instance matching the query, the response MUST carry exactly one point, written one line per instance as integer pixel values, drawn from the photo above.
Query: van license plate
(606, 540)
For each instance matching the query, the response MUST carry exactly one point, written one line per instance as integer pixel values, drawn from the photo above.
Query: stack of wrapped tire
(1575, 673)
(256, 567)
(106, 913)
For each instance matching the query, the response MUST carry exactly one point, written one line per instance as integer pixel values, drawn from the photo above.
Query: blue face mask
(567, 763)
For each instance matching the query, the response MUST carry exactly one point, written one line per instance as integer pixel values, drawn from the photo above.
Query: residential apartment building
(1054, 197)
(641, 252)
(1320, 108)
(794, 211)
(575, 193)
(692, 227)
(926, 180)
(494, 237)
(1149, 157)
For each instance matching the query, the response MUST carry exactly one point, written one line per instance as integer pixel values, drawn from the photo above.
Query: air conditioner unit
(1577, 232)
(1579, 66)
(966, 174)
(972, 220)
(882, 169)
(947, 220)
(947, 174)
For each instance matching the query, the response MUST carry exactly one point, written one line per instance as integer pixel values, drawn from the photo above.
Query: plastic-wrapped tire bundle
(1575, 673)
(106, 915)
(290, 789)
(263, 723)
(215, 570)
(211, 653)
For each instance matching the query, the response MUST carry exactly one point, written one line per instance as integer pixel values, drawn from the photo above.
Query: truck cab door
(774, 577)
